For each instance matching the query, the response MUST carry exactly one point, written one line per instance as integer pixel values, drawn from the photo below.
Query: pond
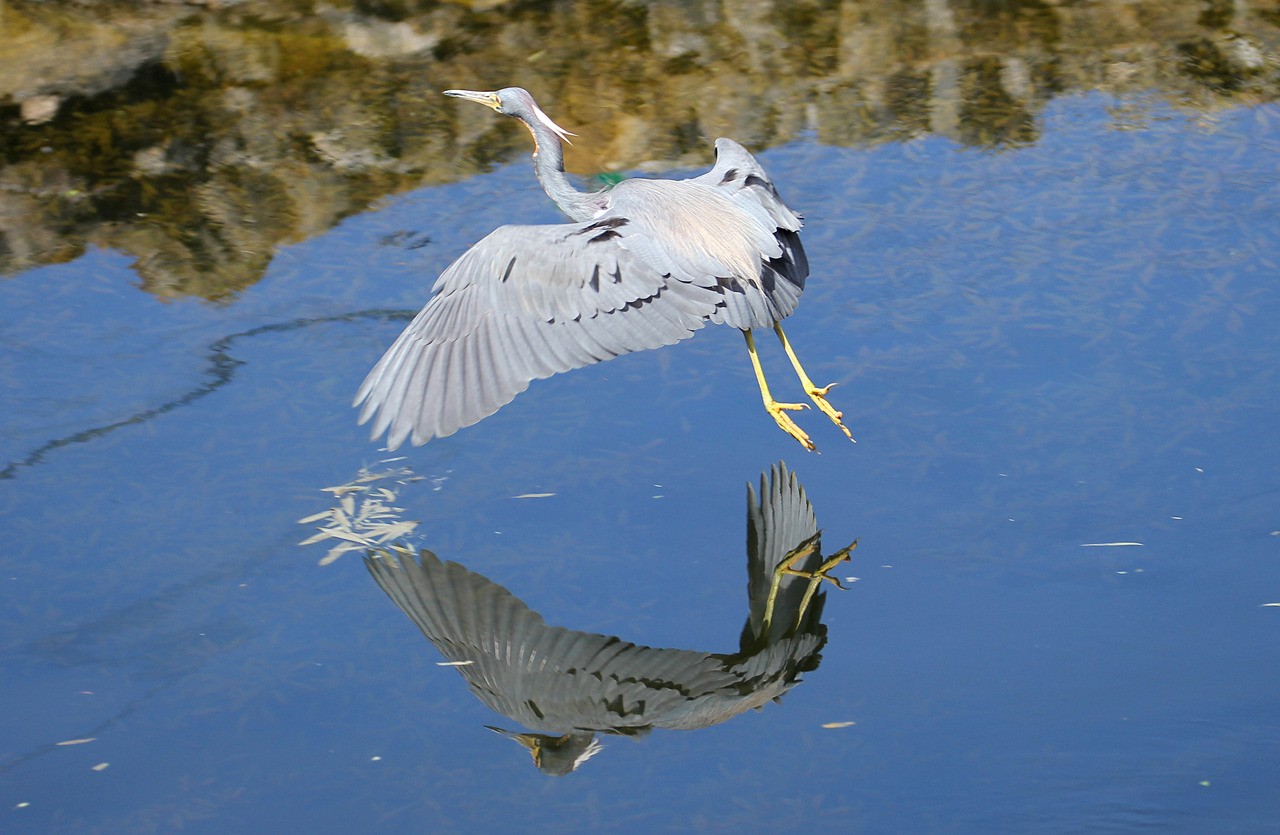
(1043, 255)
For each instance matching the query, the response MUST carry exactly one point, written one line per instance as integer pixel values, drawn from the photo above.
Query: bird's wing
(524, 303)
(740, 176)
(545, 677)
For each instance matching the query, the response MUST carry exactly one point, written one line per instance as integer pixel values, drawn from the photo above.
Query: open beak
(487, 99)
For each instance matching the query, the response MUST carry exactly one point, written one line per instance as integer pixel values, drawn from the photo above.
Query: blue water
(1068, 344)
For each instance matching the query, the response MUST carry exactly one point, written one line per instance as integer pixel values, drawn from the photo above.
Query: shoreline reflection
(201, 139)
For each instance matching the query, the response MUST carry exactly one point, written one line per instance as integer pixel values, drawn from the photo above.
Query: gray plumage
(567, 685)
(644, 264)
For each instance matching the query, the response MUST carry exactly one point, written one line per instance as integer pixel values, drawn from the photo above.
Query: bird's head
(516, 102)
(556, 755)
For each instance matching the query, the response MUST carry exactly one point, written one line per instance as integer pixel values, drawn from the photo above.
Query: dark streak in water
(221, 369)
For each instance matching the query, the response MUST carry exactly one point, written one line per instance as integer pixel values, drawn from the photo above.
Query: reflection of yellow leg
(815, 578)
(773, 407)
(818, 395)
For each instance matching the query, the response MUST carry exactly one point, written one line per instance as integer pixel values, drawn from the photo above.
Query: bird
(567, 686)
(640, 265)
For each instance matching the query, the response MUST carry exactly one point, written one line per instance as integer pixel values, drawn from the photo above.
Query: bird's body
(644, 264)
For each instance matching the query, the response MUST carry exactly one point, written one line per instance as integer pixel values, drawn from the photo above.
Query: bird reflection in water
(643, 264)
(568, 686)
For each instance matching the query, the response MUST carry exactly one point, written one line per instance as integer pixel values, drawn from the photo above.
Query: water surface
(1043, 347)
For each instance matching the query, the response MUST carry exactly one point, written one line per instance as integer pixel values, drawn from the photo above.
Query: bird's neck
(548, 164)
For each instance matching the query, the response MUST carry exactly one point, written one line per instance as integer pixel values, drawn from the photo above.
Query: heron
(567, 685)
(640, 265)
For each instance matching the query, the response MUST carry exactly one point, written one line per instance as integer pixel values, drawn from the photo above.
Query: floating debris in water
(369, 523)
(1108, 544)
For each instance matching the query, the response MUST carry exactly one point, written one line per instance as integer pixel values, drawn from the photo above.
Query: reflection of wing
(779, 521)
(559, 681)
(526, 302)
(546, 677)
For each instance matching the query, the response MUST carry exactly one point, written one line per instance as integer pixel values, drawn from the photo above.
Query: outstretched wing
(524, 303)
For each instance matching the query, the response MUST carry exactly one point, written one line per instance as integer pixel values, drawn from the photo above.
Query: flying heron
(642, 265)
(567, 685)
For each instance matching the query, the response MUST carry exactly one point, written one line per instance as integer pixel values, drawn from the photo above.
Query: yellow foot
(823, 571)
(779, 413)
(819, 398)
(815, 578)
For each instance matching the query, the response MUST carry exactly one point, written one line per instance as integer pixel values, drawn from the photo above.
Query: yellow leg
(816, 394)
(815, 578)
(777, 410)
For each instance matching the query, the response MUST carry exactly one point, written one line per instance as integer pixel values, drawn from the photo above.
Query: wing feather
(400, 420)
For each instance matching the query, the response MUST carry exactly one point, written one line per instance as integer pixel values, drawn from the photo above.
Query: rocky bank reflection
(568, 687)
(199, 137)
